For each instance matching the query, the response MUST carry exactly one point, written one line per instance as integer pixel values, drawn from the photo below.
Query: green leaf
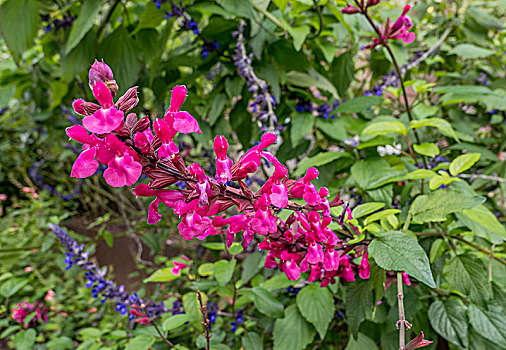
(307, 80)
(470, 51)
(358, 104)
(266, 303)
(419, 174)
(448, 318)
(488, 324)
(83, 23)
(383, 128)
(161, 275)
(363, 342)
(292, 332)
(223, 270)
(380, 215)
(468, 275)
(19, 22)
(140, 342)
(252, 264)
(302, 125)
(341, 72)
(484, 223)
(366, 208)
(122, 54)
(79, 59)
(206, 269)
(437, 205)
(191, 306)
(441, 124)
(374, 173)
(12, 286)
(299, 35)
(397, 251)
(281, 4)
(316, 304)
(174, 322)
(252, 341)
(217, 105)
(358, 301)
(277, 282)
(214, 245)
(426, 149)
(463, 162)
(60, 343)
(320, 159)
(333, 128)
(151, 17)
(25, 340)
(436, 249)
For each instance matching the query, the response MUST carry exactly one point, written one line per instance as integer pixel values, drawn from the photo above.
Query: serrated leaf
(441, 124)
(468, 275)
(140, 342)
(488, 324)
(299, 35)
(19, 22)
(252, 341)
(397, 251)
(174, 322)
(437, 205)
(366, 208)
(83, 23)
(292, 332)
(380, 215)
(426, 149)
(252, 264)
(484, 223)
(463, 162)
(266, 303)
(362, 342)
(320, 159)
(384, 128)
(302, 125)
(277, 282)
(358, 104)
(358, 301)
(470, 51)
(223, 271)
(162, 275)
(316, 304)
(448, 318)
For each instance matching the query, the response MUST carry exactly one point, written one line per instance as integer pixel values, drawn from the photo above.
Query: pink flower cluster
(390, 31)
(24, 309)
(130, 146)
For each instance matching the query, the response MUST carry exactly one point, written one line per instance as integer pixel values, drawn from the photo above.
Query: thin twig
(401, 325)
(205, 320)
(107, 18)
(169, 343)
(320, 17)
(485, 177)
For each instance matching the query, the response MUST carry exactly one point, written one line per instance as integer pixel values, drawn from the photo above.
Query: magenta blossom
(107, 118)
(223, 163)
(180, 121)
(24, 309)
(417, 342)
(364, 269)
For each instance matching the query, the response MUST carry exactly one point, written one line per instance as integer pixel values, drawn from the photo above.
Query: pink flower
(123, 170)
(291, 269)
(203, 187)
(364, 269)
(300, 187)
(405, 278)
(314, 253)
(275, 187)
(49, 295)
(176, 270)
(28, 269)
(347, 273)
(223, 163)
(99, 72)
(331, 260)
(181, 121)
(107, 118)
(167, 197)
(192, 223)
(250, 162)
(263, 221)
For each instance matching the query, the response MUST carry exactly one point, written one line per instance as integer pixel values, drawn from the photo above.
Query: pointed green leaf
(316, 304)
(223, 270)
(397, 251)
(488, 324)
(358, 301)
(292, 332)
(463, 162)
(449, 319)
(266, 303)
(383, 128)
(83, 23)
(252, 341)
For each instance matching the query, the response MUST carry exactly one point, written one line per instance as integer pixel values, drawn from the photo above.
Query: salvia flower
(98, 282)
(23, 309)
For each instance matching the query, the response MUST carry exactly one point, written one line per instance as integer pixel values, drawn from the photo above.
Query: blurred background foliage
(337, 108)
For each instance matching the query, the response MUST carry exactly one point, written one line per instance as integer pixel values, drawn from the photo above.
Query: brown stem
(161, 335)
(401, 324)
(205, 320)
(475, 246)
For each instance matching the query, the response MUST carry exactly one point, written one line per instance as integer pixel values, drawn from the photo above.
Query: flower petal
(102, 94)
(85, 165)
(79, 134)
(103, 121)
(122, 171)
(185, 123)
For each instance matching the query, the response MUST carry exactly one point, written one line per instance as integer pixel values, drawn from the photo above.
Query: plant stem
(320, 18)
(205, 320)
(161, 335)
(107, 18)
(401, 324)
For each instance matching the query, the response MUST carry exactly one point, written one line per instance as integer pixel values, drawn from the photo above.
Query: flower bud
(372, 2)
(220, 147)
(128, 101)
(78, 108)
(99, 71)
(90, 107)
(350, 10)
